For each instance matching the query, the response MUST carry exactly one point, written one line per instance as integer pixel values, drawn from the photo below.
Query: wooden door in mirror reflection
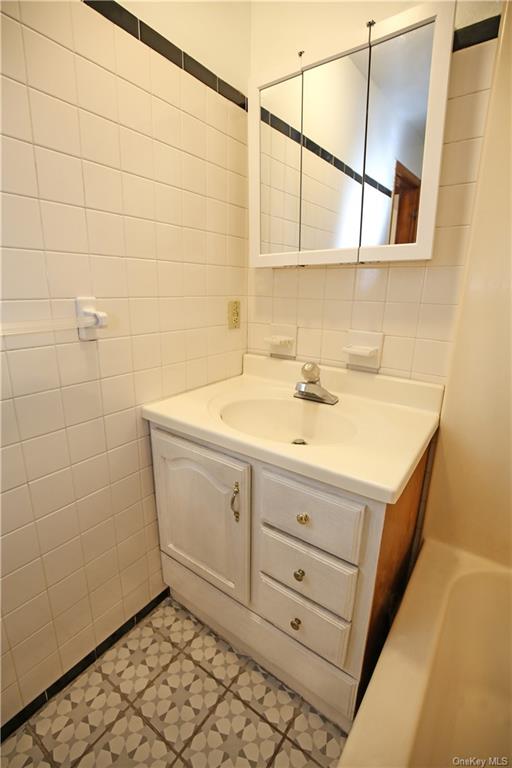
(406, 202)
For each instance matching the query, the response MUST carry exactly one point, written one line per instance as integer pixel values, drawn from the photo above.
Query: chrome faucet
(311, 389)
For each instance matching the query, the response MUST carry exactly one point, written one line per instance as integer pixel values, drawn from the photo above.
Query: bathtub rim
(385, 728)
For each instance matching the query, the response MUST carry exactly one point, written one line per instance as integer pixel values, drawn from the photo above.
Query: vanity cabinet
(300, 575)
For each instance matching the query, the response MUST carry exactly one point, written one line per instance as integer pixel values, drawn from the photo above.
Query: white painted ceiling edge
(240, 41)
(469, 504)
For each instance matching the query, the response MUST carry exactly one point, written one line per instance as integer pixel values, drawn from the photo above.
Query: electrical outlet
(234, 314)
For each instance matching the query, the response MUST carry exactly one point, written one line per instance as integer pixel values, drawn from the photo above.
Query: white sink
(288, 421)
(368, 443)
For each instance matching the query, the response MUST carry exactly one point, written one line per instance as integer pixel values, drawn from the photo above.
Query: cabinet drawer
(328, 521)
(305, 622)
(314, 574)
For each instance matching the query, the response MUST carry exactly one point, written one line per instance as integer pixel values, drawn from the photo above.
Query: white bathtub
(441, 692)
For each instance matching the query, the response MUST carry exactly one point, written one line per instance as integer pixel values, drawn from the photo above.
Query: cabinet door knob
(295, 624)
(299, 574)
(236, 491)
(303, 518)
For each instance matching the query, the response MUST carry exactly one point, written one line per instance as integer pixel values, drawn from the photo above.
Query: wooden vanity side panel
(392, 569)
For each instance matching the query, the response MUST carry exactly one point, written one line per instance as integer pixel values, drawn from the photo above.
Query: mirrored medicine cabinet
(345, 154)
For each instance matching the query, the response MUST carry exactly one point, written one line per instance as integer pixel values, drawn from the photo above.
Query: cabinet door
(203, 511)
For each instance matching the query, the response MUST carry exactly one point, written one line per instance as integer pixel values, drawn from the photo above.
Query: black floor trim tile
(21, 717)
(161, 45)
(151, 605)
(26, 713)
(114, 637)
(116, 14)
(71, 674)
(480, 32)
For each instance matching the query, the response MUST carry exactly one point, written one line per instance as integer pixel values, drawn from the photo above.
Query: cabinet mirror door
(347, 153)
(397, 119)
(334, 115)
(280, 131)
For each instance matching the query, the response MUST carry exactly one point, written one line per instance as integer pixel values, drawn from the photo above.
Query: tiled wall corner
(413, 304)
(124, 178)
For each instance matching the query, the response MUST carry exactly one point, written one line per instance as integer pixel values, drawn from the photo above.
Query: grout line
(47, 754)
(12, 725)
(241, 102)
(280, 744)
(89, 111)
(91, 746)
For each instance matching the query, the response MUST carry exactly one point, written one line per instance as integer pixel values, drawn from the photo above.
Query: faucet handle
(311, 372)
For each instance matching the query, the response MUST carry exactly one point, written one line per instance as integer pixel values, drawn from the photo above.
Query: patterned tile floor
(172, 693)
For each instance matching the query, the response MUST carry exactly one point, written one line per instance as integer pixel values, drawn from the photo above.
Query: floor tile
(267, 695)
(77, 717)
(317, 736)
(22, 751)
(129, 742)
(174, 622)
(133, 663)
(173, 693)
(290, 756)
(233, 737)
(179, 700)
(216, 656)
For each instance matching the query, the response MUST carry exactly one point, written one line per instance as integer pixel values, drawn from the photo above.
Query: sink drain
(299, 441)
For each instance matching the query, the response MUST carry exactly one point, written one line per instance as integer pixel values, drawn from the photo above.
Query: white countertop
(391, 422)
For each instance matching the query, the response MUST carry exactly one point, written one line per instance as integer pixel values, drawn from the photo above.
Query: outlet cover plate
(233, 314)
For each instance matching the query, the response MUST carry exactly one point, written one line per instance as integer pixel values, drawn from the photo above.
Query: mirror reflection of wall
(334, 111)
(280, 132)
(397, 113)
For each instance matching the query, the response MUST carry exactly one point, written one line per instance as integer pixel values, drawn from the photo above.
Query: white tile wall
(125, 178)
(102, 196)
(415, 304)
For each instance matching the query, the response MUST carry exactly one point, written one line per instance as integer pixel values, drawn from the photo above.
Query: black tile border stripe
(480, 32)
(292, 133)
(26, 713)
(200, 72)
(237, 97)
(117, 15)
(160, 44)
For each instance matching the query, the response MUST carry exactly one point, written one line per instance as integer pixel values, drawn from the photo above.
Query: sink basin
(368, 444)
(289, 421)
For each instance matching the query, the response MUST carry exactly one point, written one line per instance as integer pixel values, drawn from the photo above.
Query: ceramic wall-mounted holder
(364, 350)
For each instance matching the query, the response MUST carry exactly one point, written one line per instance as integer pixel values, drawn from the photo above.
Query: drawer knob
(295, 624)
(303, 518)
(299, 574)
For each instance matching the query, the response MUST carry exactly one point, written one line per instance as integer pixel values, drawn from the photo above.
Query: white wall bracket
(282, 341)
(89, 318)
(364, 350)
